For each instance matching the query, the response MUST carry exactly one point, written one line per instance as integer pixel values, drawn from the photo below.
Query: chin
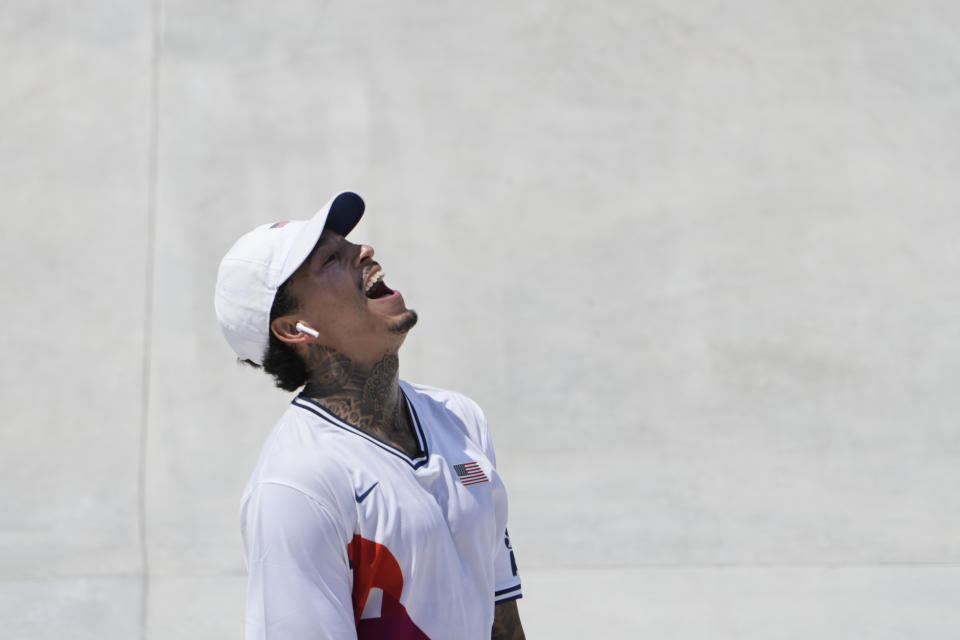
(404, 322)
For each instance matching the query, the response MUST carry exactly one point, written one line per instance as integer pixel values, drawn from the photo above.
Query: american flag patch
(470, 473)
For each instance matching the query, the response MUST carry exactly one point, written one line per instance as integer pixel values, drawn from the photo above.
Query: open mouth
(376, 288)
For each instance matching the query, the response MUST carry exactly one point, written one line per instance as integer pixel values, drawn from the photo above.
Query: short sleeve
(300, 581)
(506, 573)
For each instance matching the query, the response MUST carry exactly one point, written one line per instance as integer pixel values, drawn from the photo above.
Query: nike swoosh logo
(360, 498)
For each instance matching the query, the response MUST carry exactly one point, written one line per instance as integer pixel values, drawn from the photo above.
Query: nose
(365, 253)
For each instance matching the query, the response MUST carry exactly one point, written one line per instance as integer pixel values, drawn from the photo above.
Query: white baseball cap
(262, 260)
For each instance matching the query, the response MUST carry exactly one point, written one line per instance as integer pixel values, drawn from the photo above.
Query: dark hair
(280, 359)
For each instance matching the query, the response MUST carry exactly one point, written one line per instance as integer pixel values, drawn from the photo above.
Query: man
(375, 509)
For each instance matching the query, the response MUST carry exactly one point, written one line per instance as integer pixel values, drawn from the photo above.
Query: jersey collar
(314, 407)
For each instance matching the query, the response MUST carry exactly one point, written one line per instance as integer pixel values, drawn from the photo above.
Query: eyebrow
(324, 240)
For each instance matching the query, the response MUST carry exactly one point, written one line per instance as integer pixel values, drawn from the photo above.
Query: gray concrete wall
(695, 259)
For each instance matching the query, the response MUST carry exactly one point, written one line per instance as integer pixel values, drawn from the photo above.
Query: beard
(404, 323)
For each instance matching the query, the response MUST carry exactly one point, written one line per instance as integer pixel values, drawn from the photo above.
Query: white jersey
(347, 536)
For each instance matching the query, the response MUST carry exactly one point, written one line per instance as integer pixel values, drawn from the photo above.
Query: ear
(285, 328)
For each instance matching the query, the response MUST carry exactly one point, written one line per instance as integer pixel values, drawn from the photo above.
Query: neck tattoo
(368, 399)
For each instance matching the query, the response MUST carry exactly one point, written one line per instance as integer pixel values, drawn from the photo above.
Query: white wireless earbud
(302, 328)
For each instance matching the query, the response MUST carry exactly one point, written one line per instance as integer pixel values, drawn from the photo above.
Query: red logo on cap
(277, 225)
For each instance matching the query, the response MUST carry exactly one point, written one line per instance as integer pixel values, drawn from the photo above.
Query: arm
(506, 618)
(299, 576)
(506, 622)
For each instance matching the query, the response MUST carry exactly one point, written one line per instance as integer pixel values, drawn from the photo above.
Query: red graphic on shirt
(374, 567)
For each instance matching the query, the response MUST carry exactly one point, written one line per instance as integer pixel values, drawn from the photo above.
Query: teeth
(377, 277)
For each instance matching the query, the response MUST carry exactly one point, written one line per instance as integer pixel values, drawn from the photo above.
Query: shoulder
(451, 407)
(302, 453)
(452, 401)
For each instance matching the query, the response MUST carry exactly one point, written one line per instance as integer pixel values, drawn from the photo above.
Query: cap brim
(341, 214)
